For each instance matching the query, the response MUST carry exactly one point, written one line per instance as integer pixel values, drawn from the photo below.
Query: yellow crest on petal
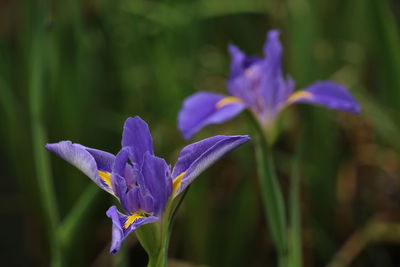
(131, 219)
(299, 95)
(227, 100)
(106, 177)
(177, 182)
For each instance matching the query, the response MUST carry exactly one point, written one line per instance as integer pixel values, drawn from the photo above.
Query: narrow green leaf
(71, 223)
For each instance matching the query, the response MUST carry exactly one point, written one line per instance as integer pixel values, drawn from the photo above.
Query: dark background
(76, 70)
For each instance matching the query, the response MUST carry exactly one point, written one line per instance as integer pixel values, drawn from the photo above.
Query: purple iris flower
(258, 84)
(142, 182)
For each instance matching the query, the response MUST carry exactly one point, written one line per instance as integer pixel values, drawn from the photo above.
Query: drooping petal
(328, 94)
(157, 181)
(92, 162)
(196, 157)
(137, 137)
(123, 225)
(204, 108)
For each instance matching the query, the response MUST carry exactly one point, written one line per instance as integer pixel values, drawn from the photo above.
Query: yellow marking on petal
(177, 183)
(105, 176)
(299, 95)
(131, 219)
(227, 100)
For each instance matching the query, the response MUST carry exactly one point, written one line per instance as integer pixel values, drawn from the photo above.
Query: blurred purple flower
(258, 84)
(142, 182)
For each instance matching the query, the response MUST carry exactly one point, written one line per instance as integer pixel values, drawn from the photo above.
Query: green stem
(271, 193)
(155, 237)
(294, 246)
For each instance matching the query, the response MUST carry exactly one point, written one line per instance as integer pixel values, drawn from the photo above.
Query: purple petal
(119, 233)
(157, 181)
(328, 94)
(104, 160)
(84, 159)
(238, 59)
(240, 83)
(136, 135)
(275, 89)
(195, 158)
(202, 109)
(131, 196)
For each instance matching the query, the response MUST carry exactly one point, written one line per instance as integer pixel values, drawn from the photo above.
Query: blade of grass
(43, 173)
(388, 49)
(71, 223)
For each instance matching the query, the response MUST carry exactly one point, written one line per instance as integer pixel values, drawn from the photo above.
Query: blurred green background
(76, 70)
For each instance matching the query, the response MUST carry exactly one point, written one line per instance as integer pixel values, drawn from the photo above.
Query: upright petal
(274, 87)
(273, 49)
(204, 108)
(123, 225)
(237, 60)
(137, 137)
(195, 158)
(92, 162)
(157, 180)
(133, 197)
(243, 81)
(328, 94)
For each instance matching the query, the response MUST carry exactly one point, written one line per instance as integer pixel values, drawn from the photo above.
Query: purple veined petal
(204, 108)
(157, 181)
(238, 59)
(244, 76)
(85, 160)
(137, 135)
(196, 157)
(119, 229)
(275, 89)
(328, 94)
(273, 48)
(104, 160)
(133, 197)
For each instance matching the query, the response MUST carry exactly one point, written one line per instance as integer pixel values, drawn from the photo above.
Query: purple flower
(142, 182)
(258, 84)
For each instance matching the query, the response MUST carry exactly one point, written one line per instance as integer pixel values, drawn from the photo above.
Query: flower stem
(271, 193)
(155, 237)
(294, 244)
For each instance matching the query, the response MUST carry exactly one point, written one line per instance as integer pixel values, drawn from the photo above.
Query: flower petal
(204, 108)
(89, 161)
(244, 76)
(133, 197)
(119, 229)
(157, 181)
(328, 94)
(275, 89)
(196, 157)
(237, 60)
(137, 137)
